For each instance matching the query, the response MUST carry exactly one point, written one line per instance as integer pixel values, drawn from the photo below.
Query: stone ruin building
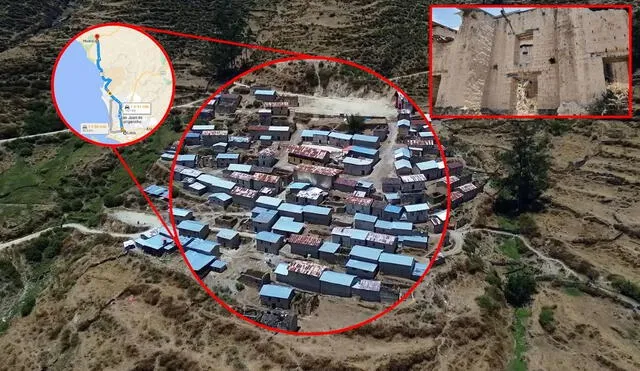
(539, 61)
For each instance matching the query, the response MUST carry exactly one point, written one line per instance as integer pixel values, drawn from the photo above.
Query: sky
(448, 17)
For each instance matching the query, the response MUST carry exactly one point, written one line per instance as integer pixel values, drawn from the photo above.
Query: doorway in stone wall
(524, 94)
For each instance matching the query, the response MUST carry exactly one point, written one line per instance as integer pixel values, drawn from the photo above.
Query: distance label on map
(113, 85)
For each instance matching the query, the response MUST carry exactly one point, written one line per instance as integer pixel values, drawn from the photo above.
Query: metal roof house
(417, 213)
(383, 241)
(223, 160)
(414, 182)
(269, 242)
(196, 188)
(192, 228)
(220, 199)
(337, 284)
(286, 226)
(181, 214)
(361, 269)
(328, 251)
(340, 140)
(244, 196)
(365, 254)
(403, 167)
(358, 205)
(218, 266)
(371, 141)
(228, 238)
(154, 245)
(391, 185)
(318, 176)
(429, 169)
(418, 271)
(317, 214)
(368, 290)
(282, 272)
(396, 264)
(305, 245)
(204, 247)
(291, 210)
(366, 152)
(199, 262)
(364, 221)
(309, 196)
(268, 202)
(276, 296)
(187, 160)
(415, 241)
(402, 153)
(265, 95)
(215, 184)
(305, 275)
(264, 221)
(242, 168)
(357, 166)
(392, 212)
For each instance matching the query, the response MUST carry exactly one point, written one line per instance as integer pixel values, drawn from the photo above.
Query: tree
(527, 165)
(519, 288)
(355, 123)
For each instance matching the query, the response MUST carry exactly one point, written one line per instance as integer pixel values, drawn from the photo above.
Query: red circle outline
(309, 333)
(55, 102)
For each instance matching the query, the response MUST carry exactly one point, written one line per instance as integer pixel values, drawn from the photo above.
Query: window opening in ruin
(524, 94)
(523, 49)
(616, 70)
(436, 86)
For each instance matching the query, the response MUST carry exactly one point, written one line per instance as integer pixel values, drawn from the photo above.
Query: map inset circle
(113, 85)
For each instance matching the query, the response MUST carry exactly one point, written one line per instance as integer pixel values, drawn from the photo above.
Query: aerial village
(288, 209)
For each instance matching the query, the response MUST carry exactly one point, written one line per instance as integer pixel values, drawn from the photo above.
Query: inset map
(113, 85)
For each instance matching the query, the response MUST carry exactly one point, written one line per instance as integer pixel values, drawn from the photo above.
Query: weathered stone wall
(479, 70)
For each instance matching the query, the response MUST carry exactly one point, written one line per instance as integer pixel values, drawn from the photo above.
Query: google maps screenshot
(320, 185)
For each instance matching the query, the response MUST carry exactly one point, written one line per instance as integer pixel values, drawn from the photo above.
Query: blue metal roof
(416, 207)
(365, 217)
(320, 210)
(357, 161)
(384, 224)
(191, 225)
(214, 181)
(394, 209)
(239, 139)
(219, 264)
(366, 138)
(402, 164)
(298, 185)
(282, 269)
(404, 226)
(221, 196)
(287, 224)
(265, 137)
(193, 135)
(426, 134)
(291, 208)
(404, 151)
(363, 150)
(264, 92)
(309, 133)
(228, 156)
(276, 291)
(360, 265)
(257, 210)
(337, 278)
(243, 168)
(180, 212)
(365, 252)
(202, 246)
(418, 269)
(155, 190)
(167, 156)
(269, 236)
(265, 216)
(227, 234)
(186, 158)
(198, 260)
(156, 242)
(364, 184)
(268, 200)
(337, 135)
(414, 238)
(396, 259)
(427, 165)
(358, 234)
(329, 247)
(391, 196)
(404, 122)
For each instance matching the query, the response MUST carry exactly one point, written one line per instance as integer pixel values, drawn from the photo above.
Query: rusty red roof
(308, 152)
(319, 170)
(266, 178)
(358, 200)
(306, 268)
(305, 239)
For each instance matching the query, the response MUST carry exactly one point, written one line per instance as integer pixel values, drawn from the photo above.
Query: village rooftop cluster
(322, 220)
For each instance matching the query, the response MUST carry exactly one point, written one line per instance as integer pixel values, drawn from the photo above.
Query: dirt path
(409, 75)
(384, 167)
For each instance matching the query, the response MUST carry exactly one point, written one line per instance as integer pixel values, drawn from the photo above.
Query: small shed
(291, 210)
(218, 266)
(220, 199)
(364, 221)
(200, 263)
(191, 228)
(223, 160)
(328, 251)
(367, 290)
(204, 247)
(287, 226)
(181, 214)
(357, 166)
(264, 221)
(268, 202)
(187, 160)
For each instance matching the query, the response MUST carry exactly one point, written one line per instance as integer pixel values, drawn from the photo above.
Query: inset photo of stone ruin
(569, 61)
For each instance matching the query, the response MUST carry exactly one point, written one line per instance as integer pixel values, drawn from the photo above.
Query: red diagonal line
(222, 41)
(133, 177)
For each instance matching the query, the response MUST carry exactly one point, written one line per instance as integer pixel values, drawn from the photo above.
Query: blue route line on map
(108, 81)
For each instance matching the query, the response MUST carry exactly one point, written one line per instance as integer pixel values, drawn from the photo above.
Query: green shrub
(626, 287)
(474, 263)
(27, 305)
(520, 288)
(239, 286)
(527, 225)
(546, 318)
(487, 303)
